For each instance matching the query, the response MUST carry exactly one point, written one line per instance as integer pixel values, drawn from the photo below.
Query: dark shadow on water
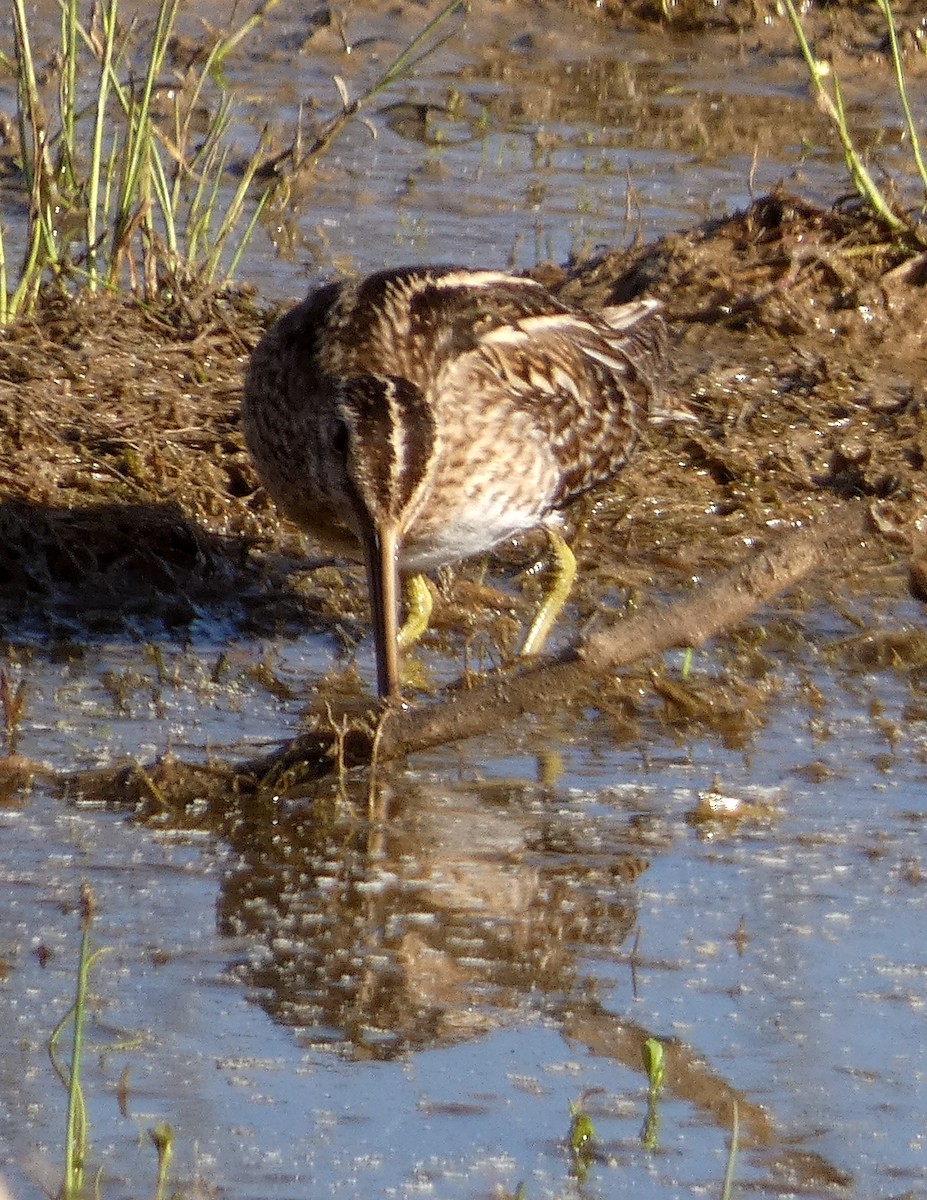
(115, 568)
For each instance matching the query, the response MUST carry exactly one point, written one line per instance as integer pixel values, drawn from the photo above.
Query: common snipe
(424, 415)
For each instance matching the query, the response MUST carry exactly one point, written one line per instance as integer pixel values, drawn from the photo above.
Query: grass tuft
(124, 191)
(825, 86)
(120, 192)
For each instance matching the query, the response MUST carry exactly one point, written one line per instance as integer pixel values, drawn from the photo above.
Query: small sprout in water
(582, 1130)
(162, 1135)
(582, 1141)
(87, 905)
(654, 1062)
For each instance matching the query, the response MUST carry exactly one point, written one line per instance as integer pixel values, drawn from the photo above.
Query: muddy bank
(128, 498)
(130, 503)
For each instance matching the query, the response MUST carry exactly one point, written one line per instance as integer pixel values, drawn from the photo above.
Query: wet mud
(129, 501)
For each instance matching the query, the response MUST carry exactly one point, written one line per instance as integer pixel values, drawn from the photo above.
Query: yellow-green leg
(564, 573)
(419, 603)
(419, 600)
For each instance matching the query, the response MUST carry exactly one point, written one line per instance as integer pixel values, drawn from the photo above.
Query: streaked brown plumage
(425, 415)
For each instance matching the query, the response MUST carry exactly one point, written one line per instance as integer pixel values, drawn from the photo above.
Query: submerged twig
(689, 621)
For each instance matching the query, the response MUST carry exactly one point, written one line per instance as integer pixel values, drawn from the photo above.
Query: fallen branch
(503, 697)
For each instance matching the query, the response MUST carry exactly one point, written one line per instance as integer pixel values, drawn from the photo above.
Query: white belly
(464, 539)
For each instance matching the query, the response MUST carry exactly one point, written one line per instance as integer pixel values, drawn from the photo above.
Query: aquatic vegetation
(127, 188)
(830, 100)
(162, 1137)
(654, 1064)
(76, 1142)
(732, 1153)
(77, 1137)
(120, 191)
(581, 1142)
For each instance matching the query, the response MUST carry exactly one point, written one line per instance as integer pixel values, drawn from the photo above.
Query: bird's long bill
(381, 549)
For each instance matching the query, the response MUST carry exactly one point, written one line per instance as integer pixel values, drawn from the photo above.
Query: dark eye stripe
(395, 428)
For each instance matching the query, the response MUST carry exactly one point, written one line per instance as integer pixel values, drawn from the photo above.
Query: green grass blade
(233, 214)
(417, 50)
(108, 16)
(405, 61)
(902, 90)
(67, 94)
(139, 142)
(249, 229)
(28, 91)
(224, 47)
(833, 107)
(732, 1155)
(162, 193)
(209, 213)
(75, 1145)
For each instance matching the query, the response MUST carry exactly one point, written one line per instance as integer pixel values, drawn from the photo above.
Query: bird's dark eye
(339, 436)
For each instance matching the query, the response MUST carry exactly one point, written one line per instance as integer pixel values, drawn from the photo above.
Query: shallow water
(326, 1003)
(318, 1004)
(528, 136)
